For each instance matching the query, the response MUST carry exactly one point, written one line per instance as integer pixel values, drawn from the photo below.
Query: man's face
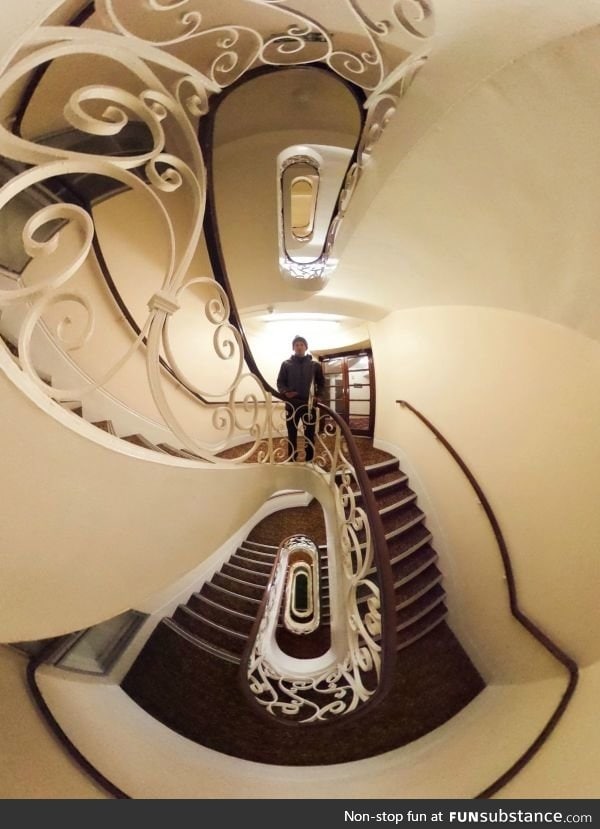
(299, 348)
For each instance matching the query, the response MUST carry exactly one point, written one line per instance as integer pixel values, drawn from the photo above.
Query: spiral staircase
(194, 537)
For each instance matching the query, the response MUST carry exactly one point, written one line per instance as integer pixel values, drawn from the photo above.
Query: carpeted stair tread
(210, 632)
(402, 518)
(256, 555)
(259, 566)
(227, 598)
(376, 471)
(415, 610)
(410, 566)
(406, 543)
(399, 494)
(235, 585)
(412, 589)
(221, 614)
(199, 645)
(243, 573)
(405, 569)
(196, 694)
(397, 522)
(422, 627)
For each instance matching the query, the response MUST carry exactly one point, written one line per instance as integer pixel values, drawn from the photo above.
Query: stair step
(395, 500)
(257, 555)
(406, 543)
(235, 585)
(220, 614)
(416, 610)
(242, 573)
(184, 634)
(140, 440)
(178, 453)
(410, 567)
(397, 523)
(401, 519)
(376, 470)
(259, 547)
(411, 590)
(422, 626)
(251, 564)
(105, 425)
(393, 483)
(210, 632)
(226, 598)
(405, 570)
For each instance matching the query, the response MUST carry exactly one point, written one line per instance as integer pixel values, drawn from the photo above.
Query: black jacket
(297, 373)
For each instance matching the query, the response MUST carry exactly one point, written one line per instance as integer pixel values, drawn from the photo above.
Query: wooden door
(350, 388)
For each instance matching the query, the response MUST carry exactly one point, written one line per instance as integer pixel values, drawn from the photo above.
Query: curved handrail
(380, 550)
(386, 584)
(217, 260)
(69, 746)
(551, 646)
(211, 232)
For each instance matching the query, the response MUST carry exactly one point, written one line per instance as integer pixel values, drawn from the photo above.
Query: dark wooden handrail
(381, 555)
(46, 655)
(386, 586)
(555, 650)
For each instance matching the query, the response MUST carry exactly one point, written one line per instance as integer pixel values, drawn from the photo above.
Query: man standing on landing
(297, 377)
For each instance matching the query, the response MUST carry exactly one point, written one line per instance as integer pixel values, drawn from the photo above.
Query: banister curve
(381, 555)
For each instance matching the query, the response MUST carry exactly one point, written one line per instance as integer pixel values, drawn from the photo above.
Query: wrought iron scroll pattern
(379, 54)
(365, 672)
(362, 50)
(348, 683)
(169, 114)
(173, 164)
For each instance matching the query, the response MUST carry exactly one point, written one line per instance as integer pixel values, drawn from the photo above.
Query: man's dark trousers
(296, 413)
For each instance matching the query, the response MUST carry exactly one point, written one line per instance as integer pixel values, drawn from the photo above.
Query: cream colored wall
(487, 196)
(92, 525)
(134, 243)
(32, 763)
(518, 398)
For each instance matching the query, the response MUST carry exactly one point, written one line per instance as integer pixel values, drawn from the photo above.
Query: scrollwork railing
(362, 672)
(151, 78)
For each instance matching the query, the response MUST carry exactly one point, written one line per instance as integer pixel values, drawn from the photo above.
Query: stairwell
(187, 674)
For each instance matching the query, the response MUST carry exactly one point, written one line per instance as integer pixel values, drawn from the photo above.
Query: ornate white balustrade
(162, 61)
(348, 676)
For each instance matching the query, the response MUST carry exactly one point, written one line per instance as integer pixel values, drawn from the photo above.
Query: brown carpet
(198, 695)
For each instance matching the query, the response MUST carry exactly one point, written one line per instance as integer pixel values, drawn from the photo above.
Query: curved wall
(92, 525)
(518, 398)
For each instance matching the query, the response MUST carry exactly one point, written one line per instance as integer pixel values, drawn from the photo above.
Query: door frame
(355, 352)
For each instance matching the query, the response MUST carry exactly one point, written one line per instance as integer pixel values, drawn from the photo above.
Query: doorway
(350, 388)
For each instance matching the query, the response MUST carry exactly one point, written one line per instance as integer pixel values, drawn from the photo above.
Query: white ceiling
(485, 188)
